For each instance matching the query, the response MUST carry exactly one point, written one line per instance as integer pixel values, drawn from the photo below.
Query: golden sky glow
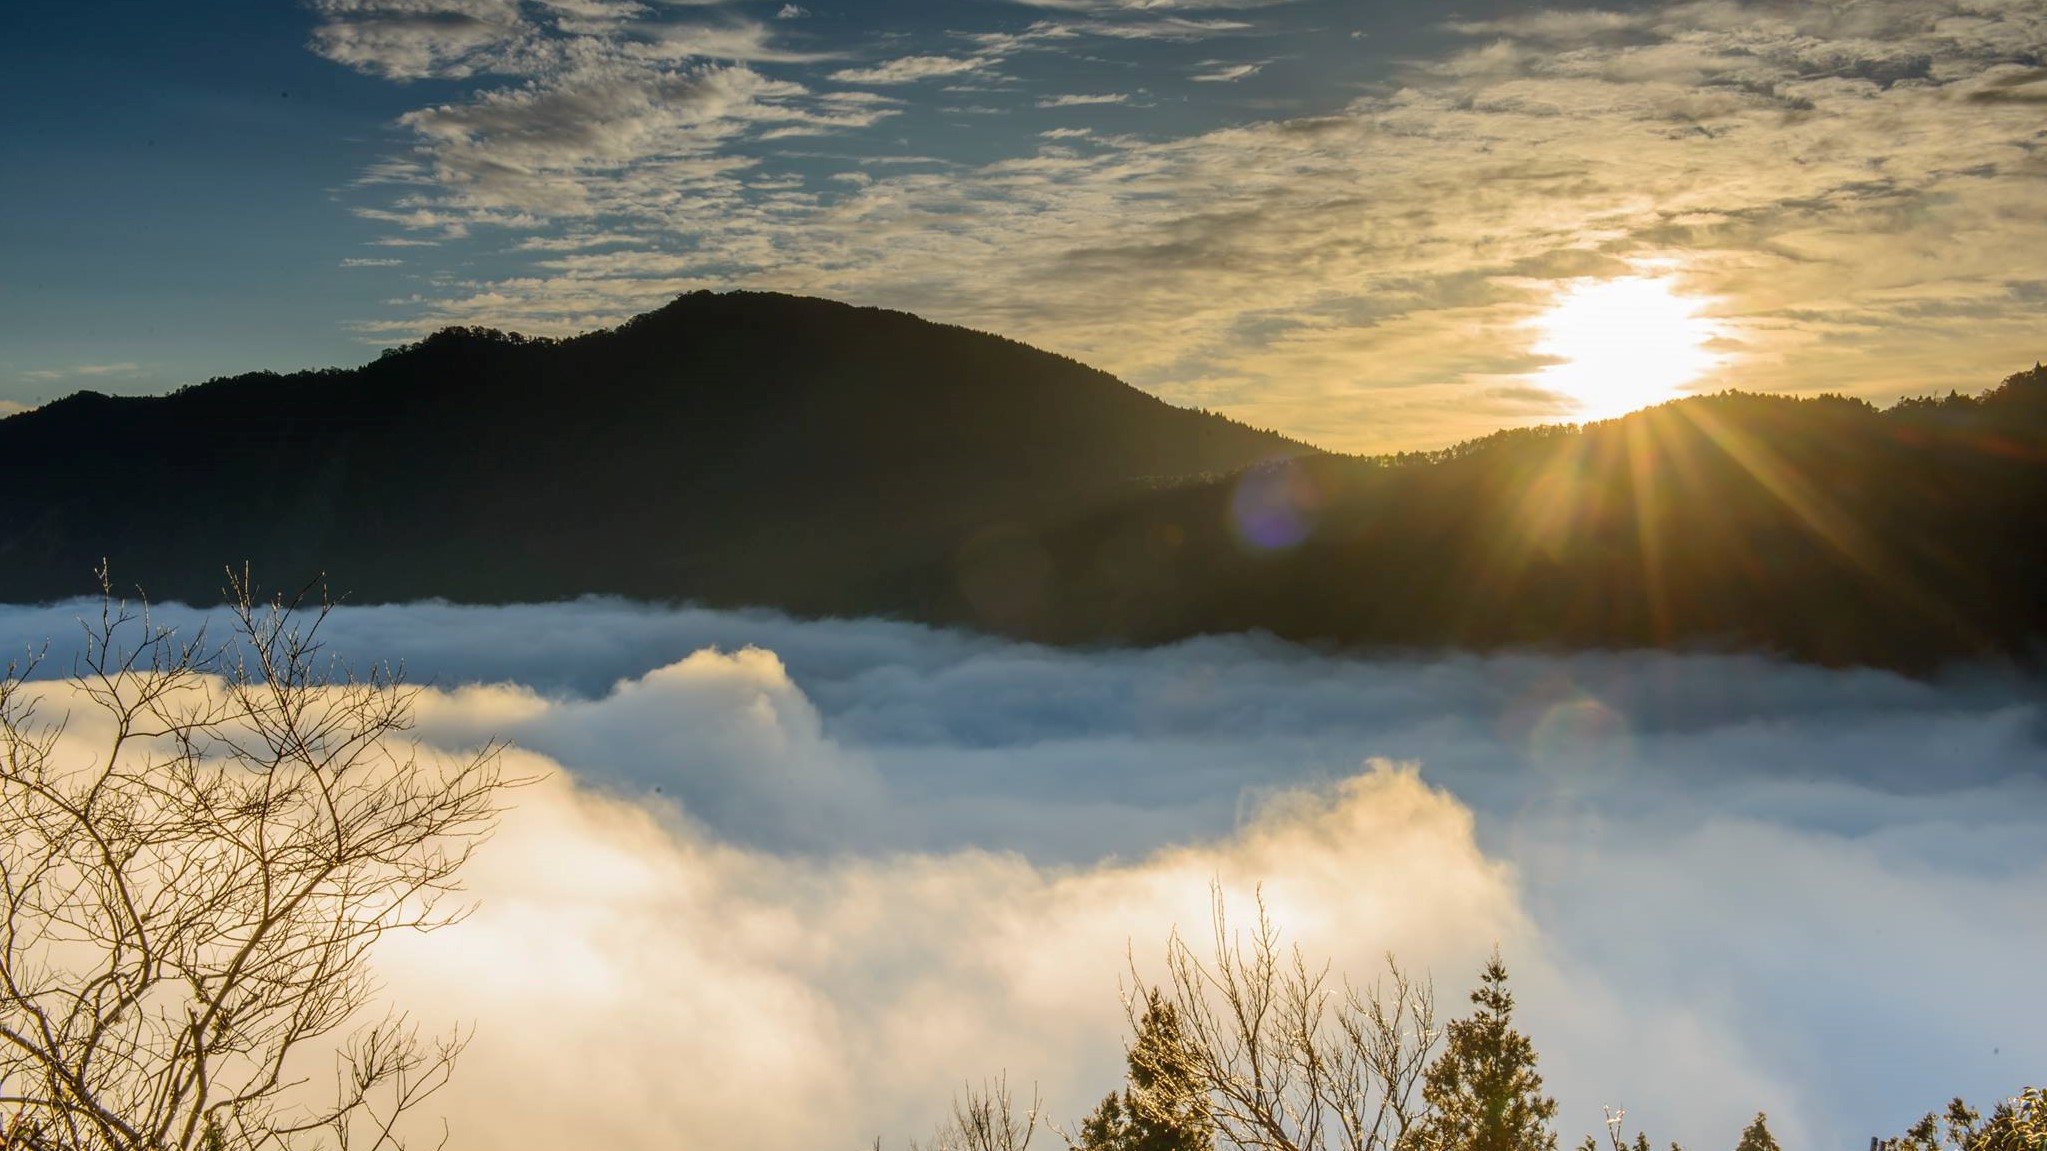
(1335, 220)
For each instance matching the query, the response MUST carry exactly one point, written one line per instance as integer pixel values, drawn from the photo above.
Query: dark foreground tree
(1483, 1092)
(202, 847)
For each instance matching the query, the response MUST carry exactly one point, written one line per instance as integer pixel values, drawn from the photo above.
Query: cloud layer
(851, 862)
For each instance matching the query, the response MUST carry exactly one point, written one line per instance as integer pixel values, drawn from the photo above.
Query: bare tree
(1289, 1062)
(1616, 1136)
(198, 856)
(983, 1119)
(987, 1120)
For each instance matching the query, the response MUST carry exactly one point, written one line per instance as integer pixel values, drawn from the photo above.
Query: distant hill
(747, 449)
(738, 448)
(1825, 530)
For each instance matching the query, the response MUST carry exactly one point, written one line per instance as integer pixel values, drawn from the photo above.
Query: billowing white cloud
(853, 862)
(694, 979)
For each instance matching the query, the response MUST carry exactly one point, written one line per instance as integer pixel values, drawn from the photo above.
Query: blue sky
(1345, 220)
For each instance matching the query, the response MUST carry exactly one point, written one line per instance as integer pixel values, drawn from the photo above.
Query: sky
(1370, 225)
(857, 864)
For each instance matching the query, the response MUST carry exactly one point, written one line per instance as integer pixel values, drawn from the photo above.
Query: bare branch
(192, 905)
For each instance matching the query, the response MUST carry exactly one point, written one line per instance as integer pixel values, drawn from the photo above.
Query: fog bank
(850, 862)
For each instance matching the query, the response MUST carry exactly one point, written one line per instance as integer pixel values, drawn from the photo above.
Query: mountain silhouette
(739, 448)
(767, 450)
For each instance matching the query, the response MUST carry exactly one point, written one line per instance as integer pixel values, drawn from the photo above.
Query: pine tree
(2018, 1124)
(1483, 1091)
(1757, 1137)
(1164, 1107)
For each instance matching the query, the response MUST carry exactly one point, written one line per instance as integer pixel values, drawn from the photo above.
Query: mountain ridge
(730, 418)
(752, 449)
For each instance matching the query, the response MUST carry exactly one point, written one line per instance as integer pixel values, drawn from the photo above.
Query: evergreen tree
(1757, 1137)
(1483, 1091)
(1164, 1107)
(2018, 1124)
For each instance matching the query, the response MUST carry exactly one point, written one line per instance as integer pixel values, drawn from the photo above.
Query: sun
(1624, 343)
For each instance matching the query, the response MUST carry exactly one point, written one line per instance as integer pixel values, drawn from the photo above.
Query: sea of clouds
(791, 884)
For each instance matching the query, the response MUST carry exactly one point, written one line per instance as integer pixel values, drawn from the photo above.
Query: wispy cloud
(1081, 100)
(1171, 29)
(576, 241)
(84, 371)
(418, 39)
(909, 69)
(743, 42)
(1217, 72)
(371, 262)
(1152, 7)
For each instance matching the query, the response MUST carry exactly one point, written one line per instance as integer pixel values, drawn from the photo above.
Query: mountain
(747, 449)
(735, 449)
(1824, 529)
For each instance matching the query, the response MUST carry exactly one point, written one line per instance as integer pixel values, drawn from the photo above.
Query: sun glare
(1624, 344)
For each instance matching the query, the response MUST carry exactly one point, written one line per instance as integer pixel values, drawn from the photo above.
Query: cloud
(11, 408)
(1150, 7)
(792, 12)
(419, 39)
(1217, 72)
(613, 112)
(84, 371)
(858, 861)
(576, 241)
(744, 42)
(1053, 34)
(692, 979)
(371, 262)
(560, 147)
(1080, 100)
(909, 69)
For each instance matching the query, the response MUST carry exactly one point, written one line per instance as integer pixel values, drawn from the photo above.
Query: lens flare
(1275, 507)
